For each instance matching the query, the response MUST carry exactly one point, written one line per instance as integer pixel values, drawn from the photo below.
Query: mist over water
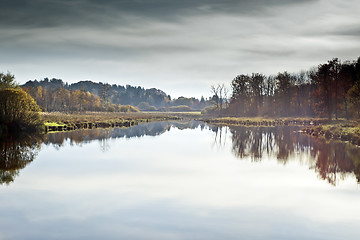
(180, 180)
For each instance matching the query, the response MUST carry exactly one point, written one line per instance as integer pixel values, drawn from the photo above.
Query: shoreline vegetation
(58, 121)
(19, 112)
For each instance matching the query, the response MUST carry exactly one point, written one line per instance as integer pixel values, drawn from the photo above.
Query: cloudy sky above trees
(181, 47)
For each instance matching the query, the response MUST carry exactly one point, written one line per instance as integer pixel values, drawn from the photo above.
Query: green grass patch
(53, 124)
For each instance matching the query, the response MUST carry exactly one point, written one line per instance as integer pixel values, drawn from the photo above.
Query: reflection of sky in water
(179, 185)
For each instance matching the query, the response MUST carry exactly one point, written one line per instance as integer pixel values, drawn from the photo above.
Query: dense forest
(331, 90)
(55, 95)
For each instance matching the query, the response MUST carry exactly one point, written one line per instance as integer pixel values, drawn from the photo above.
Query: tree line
(55, 95)
(331, 90)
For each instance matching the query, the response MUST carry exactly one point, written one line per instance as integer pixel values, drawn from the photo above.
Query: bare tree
(215, 91)
(220, 88)
(226, 96)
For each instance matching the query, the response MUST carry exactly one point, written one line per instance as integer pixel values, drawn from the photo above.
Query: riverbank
(346, 132)
(343, 130)
(57, 121)
(259, 121)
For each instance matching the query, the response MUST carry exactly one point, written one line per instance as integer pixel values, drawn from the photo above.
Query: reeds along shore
(264, 122)
(66, 122)
(68, 126)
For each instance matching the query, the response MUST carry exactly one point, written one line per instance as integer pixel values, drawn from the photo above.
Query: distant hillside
(49, 93)
(116, 94)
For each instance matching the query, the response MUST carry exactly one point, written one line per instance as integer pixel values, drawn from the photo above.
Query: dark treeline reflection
(15, 154)
(331, 160)
(79, 137)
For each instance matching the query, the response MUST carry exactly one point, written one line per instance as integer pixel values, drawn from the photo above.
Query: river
(179, 180)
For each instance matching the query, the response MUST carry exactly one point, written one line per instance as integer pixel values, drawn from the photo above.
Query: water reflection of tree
(220, 136)
(335, 160)
(331, 160)
(15, 154)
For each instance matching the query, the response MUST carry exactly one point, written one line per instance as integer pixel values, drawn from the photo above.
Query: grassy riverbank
(348, 131)
(57, 121)
(260, 121)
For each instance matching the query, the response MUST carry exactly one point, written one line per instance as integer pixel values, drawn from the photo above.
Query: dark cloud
(50, 13)
(271, 52)
(347, 31)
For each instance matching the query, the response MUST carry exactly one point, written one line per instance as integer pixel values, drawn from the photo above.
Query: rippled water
(181, 180)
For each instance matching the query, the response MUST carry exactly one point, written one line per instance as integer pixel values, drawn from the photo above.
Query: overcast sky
(181, 47)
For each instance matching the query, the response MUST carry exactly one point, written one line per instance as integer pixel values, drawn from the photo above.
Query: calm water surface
(181, 180)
